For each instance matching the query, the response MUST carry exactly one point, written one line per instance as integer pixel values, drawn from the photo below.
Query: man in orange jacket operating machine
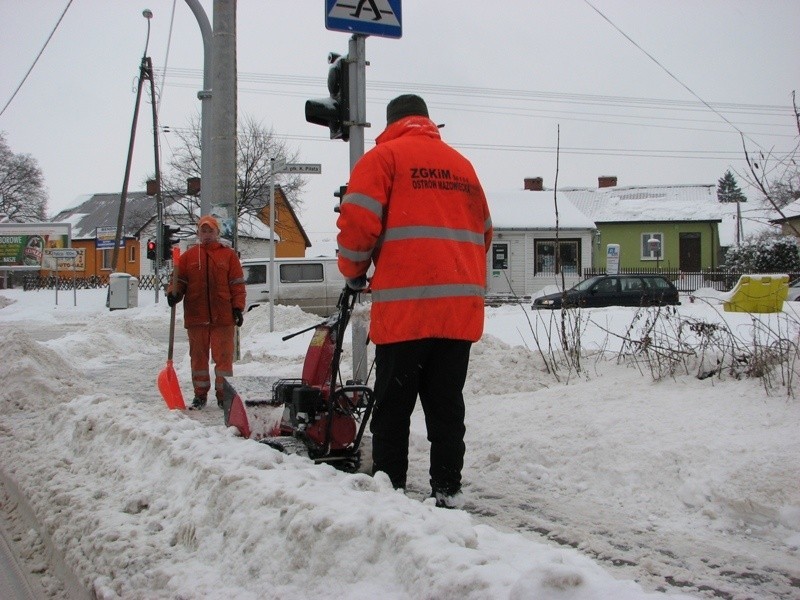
(415, 208)
(211, 284)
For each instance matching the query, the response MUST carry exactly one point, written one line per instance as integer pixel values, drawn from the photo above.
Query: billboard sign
(22, 245)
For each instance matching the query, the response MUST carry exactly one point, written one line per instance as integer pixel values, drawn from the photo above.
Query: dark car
(794, 291)
(614, 290)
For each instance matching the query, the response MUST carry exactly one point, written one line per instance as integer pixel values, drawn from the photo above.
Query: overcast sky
(502, 76)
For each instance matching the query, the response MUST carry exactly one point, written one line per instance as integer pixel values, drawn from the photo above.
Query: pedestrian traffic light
(333, 112)
(168, 241)
(151, 249)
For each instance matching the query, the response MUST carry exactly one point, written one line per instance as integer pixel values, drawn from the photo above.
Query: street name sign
(63, 252)
(307, 168)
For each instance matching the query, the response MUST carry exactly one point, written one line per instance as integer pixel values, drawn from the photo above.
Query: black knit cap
(405, 106)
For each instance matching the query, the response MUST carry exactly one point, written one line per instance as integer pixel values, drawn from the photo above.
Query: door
(689, 250)
(604, 293)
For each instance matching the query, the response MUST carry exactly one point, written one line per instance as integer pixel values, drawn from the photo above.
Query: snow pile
(680, 484)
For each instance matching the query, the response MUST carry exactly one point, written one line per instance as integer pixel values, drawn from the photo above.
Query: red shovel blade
(170, 388)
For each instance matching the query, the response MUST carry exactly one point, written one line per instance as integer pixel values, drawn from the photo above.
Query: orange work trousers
(219, 340)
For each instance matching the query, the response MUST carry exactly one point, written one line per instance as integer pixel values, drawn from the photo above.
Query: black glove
(357, 284)
(238, 317)
(173, 299)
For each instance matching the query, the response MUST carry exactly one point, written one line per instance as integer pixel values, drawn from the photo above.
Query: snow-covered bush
(775, 255)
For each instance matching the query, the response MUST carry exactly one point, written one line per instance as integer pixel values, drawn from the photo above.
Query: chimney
(152, 187)
(193, 186)
(606, 181)
(533, 184)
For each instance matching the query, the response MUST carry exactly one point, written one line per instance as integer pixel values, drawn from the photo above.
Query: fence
(723, 281)
(686, 282)
(36, 282)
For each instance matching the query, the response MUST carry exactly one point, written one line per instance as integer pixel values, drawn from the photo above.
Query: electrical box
(123, 291)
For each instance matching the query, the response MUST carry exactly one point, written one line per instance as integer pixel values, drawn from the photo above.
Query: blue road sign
(368, 17)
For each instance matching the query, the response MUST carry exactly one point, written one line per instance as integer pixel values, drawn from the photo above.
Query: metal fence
(690, 281)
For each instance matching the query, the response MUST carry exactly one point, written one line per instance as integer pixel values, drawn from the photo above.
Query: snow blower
(321, 418)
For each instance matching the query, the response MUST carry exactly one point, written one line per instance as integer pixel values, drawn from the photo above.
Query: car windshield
(586, 284)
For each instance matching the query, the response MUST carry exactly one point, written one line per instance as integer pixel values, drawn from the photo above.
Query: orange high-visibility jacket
(414, 207)
(211, 281)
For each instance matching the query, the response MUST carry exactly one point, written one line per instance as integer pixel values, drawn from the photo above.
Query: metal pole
(271, 244)
(222, 190)
(357, 65)
(205, 109)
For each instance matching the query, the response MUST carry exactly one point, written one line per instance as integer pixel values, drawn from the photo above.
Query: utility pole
(145, 74)
(221, 194)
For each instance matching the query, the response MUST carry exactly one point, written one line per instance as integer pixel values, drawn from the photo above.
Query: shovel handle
(176, 254)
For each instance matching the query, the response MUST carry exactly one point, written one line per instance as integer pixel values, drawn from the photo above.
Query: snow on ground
(609, 482)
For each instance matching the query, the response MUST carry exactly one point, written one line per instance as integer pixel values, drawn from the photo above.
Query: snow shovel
(167, 379)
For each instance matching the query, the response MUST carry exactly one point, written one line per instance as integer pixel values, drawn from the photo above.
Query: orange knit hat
(208, 220)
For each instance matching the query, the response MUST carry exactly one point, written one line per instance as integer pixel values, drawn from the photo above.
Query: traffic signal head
(168, 240)
(340, 195)
(151, 249)
(334, 111)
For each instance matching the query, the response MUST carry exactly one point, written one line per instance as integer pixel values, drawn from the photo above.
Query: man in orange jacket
(211, 283)
(415, 208)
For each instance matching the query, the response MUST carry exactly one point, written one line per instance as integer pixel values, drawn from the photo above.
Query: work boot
(198, 403)
(449, 500)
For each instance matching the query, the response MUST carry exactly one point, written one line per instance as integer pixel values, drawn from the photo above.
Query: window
(106, 256)
(255, 274)
(298, 273)
(608, 285)
(647, 253)
(132, 253)
(631, 284)
(568, 260)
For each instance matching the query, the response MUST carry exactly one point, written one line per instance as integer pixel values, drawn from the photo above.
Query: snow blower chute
(321, 418)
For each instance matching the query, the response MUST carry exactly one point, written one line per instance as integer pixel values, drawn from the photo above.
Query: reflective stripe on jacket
(211, 280)
(414, 207)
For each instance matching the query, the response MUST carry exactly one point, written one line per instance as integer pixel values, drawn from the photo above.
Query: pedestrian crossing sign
(369, 17)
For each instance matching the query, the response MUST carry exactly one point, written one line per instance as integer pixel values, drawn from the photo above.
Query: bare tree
(23, 197)
(777, 177)
(256, 146)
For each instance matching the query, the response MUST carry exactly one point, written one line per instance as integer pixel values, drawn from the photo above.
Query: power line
(69, 3)
(296, 81)
(668, 72)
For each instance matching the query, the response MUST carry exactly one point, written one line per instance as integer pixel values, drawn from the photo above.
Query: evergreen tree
(728, 190)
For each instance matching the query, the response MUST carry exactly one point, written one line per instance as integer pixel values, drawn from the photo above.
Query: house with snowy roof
(674, 227)
(537, 240)
(789, 223)
(671, 227)
(94, 224)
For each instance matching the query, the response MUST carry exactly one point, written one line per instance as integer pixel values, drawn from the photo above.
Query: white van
(313, 284)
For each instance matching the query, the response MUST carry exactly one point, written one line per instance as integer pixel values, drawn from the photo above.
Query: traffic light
(151, 249)
(168, 241)
(333, 112)
(340, 195)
